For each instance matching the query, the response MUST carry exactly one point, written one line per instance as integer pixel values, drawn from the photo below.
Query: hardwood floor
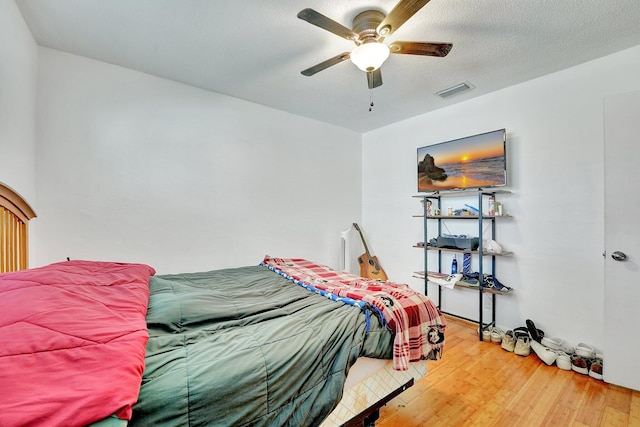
(480, 384)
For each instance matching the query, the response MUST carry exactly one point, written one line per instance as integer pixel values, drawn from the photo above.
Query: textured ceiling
(255, 50)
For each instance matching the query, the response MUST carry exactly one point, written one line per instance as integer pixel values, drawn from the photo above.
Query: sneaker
(496, 335)
(595, 370)
(585, 350)
(492, 283)
(564, 361)
(580, 364)
(523, 346)
(545, 354)
(509, 341)
(486, 334)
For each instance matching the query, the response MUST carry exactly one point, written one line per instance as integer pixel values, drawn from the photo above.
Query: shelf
(463, 251)
(463, 216)
(463, 285)
(449, 193)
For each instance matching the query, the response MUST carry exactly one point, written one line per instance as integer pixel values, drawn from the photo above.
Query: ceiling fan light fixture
(370, 56)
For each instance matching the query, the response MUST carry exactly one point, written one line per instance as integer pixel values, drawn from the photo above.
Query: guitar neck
(364, 243)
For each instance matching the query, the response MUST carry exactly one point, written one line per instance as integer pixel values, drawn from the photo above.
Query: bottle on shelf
(454, 265)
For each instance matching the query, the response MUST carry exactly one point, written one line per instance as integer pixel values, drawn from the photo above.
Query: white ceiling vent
(454, 90)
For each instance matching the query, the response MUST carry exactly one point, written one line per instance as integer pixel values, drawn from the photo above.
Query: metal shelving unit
(481, 219)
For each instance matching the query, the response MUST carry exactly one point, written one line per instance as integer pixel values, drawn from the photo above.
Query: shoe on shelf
(536, 334)
(492, 283)
(580, 364)
(508, 341)
(585, 350)
(595, 370)
(496, 335)
(523, 346)
(545, 354)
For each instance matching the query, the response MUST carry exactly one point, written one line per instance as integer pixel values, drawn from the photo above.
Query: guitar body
(370, 268)
(369, 265)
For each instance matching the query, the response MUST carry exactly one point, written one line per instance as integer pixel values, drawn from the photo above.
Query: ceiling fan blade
(326, 64)
(374, 78)
(319, 20)
(421, 48)
(402, 11)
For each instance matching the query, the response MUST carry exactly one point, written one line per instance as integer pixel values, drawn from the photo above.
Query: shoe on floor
(509, 341)
(545, 354)
(557, 344)
(496, 335)
(523, 346)
(486, 333)
(564, 361)
(580, 364)
(585, 350)
(536, 334)
(595, 370)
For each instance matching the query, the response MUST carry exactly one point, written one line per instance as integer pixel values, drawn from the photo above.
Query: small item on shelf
(454, 265)
(492, 201)
(450, 211)
(428, 209)
(497, 207)
(466, 263)
(437, 212)
(475, 210)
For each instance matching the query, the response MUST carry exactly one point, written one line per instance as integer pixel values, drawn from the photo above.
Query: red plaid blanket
(418, 324)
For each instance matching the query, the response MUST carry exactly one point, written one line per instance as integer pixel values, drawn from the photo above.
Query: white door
(622, 240)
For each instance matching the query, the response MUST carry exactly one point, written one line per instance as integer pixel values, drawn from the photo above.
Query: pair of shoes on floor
(492, 334)
(580, 364)
(585, 366)
(522, 345)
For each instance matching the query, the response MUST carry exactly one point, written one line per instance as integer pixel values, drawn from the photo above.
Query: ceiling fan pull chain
(370, 100)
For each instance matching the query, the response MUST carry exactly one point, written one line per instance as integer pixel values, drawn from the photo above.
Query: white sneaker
(523, 346)
(496, 335)
(545, 354)
(563, 361)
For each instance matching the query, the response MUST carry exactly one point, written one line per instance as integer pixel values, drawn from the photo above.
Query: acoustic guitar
(369, 265)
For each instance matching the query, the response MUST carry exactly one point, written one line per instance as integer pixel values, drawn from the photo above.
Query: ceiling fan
(369, 30)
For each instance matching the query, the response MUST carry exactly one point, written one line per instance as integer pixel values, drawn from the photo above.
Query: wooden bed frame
(15, 214)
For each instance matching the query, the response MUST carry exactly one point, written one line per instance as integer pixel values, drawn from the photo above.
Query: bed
(285, 342)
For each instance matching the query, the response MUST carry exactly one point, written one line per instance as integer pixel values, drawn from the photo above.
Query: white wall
(555, 144)
(136, 168)
(18, 73)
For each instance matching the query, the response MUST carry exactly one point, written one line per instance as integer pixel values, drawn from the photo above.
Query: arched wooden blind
(15, 214)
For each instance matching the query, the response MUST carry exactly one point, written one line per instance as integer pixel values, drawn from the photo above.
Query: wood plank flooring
(480, 384)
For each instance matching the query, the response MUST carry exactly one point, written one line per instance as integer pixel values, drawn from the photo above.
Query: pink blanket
(417, 323)
(73, 337)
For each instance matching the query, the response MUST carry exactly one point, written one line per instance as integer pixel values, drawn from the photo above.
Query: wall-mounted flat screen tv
(473, 162)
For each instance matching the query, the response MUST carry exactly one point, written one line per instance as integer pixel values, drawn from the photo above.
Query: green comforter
(247, 347)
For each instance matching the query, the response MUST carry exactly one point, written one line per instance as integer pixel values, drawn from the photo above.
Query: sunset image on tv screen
(472, 162)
